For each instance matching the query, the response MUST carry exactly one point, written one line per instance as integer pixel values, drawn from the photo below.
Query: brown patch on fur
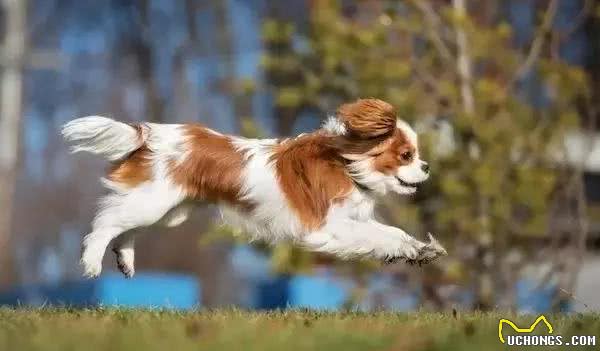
(212, 168)
(388, 155)
(136, 168)
(313, 176)
(132, 171)
(368, 118)
(349, 145)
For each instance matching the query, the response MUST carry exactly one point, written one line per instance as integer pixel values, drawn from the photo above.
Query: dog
(316, 190)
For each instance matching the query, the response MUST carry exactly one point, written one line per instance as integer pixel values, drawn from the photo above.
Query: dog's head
(382, 151)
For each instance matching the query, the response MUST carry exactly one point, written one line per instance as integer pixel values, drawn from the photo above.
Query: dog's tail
(103, 136)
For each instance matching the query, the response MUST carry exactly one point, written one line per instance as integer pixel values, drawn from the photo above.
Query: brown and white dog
(316, 190)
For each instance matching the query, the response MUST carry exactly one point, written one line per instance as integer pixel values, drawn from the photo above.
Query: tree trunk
(464, 61)
(225, 48)
(484, 284)
(155, 105)
(11, 95)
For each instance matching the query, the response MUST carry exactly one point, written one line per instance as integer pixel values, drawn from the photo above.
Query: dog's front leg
(426, 253)
(349, 238)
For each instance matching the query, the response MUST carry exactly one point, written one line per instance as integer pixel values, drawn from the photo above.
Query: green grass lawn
(229, 329)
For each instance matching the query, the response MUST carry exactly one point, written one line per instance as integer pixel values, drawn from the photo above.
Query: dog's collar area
(361, 186)
(358, 184)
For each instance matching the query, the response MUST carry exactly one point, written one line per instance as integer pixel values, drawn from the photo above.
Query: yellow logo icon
(539, 319)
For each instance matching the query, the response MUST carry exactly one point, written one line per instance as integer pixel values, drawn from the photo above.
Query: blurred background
(504, 93)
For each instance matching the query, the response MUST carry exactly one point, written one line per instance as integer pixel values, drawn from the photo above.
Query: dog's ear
(368, 118)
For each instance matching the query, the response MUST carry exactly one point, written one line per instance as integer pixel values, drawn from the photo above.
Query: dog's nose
(425, 167)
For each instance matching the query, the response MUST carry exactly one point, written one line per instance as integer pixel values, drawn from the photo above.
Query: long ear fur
(368, 118)
(360, 126)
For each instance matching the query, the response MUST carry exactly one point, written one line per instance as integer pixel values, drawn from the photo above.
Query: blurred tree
(138, 43)
(11, 100)
(453, 69)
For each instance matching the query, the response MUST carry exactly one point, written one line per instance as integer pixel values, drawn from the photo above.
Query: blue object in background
(151, 290)
(263, 289)
(272, 293)
(386, 292)
(532, 298)
(324, 292)
(260, 288)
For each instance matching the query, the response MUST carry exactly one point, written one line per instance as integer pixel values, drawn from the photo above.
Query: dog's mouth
(407, 184)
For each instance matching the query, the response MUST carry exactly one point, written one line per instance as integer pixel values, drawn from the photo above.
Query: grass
(231, 329)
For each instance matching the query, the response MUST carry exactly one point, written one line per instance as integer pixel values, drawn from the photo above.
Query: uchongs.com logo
(524, 336)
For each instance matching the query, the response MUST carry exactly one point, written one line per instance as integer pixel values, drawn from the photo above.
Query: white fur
(272, 219)
(334, 126)
(350, 228)
(363, 172)
(413, 172)
(177, 215)
(124, 209)
(124, 248)
(351, 231)
(166, 141)
(408, 131)
(104, 136)
(120, 212)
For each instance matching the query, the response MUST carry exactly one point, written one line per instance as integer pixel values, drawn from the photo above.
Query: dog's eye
(406, 156)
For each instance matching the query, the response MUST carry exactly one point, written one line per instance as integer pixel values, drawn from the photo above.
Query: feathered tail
(103, 136)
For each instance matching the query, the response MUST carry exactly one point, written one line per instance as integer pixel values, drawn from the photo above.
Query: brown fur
(368, 118)
(389, 154)
(211, 170)
(311, 170)
(313, 176)
(350, 145)
(132, 171)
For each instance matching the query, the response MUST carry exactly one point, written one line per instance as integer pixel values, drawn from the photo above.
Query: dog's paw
(91, 258)
(430, 252)
(407, 251)
(127, 271)
(91, 269)
(391, 259)
(125, 262)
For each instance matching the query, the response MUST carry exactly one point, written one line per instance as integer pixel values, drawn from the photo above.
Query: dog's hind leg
(122, 211)
(124, 245)
(124, 249)
(93, 247)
